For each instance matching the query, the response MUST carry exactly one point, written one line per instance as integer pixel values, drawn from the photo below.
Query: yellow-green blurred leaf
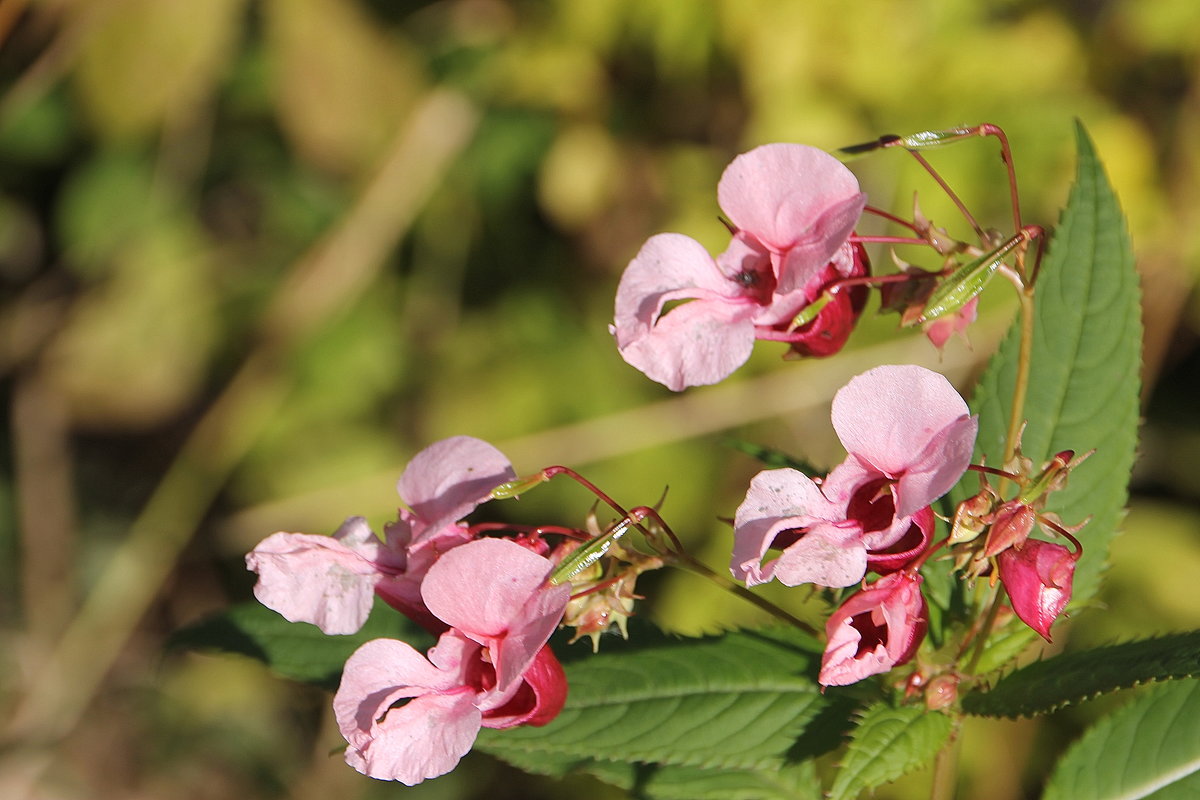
(342, 87)
(105, 204)
(135, 350)
(147, 60)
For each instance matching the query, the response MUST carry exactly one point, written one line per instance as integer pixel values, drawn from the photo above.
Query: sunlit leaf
(888, 743)
(680, 713)
(295, 650)
(147, 60)
(1054, 682)
(1084, 373)
(1150, 748)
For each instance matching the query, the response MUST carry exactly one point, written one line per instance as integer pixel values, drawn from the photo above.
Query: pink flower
(409, 718)
(1038, 578)
(876, 629)
(909, 437)
(905, 426)
(330, 581)
(793, 208)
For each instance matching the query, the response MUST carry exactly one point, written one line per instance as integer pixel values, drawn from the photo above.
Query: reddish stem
(912, 226)
(999, 473)
(888, 240)
(550, 472)
(954, 198)
(921, 559)
(987, 129)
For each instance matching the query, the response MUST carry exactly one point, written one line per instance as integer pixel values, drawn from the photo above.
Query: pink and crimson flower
(792, 208)
(876, 629)
(330, 581)
(909, 437)
(407, 717)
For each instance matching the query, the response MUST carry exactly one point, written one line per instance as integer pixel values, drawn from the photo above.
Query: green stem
(945, 766)
(1016, 417)
(985, 631)
(692, 565)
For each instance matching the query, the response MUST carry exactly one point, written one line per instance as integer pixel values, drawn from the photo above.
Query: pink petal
(445, 481)
(381, 672)
(493, 591)
(902, 418)
(780, 192)
(699, 342)
(696, 344)
(826, 555)
(804, 261)
(423, 739)
(937, 469)
(315, 579)
(941, 329)
(669, 266)
(916, 532)
(775, 496)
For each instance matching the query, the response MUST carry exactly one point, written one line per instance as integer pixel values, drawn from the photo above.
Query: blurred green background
(255, 254)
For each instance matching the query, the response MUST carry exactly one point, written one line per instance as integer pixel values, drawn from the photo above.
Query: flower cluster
(794, 271)
(909, 438)
(792, 209)
(491, 602)
(490, 669)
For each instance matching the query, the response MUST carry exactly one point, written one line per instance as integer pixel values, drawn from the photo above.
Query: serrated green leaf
(295, 650)
(887, 744)
(679, 717)
(792, 782)
(1084, 373)
(1150, 748)
(1046, 685)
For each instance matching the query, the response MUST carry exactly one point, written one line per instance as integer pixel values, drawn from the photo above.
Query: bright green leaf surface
(295, 650)
(888, 743)
(718, 716)
(1150, 748)
(1084, 377)
(1046, 685)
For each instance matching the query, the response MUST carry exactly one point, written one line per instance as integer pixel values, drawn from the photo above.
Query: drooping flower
(330, 581)
(1038, 577)
(407, 717)
(874, 630)
(792, 208)
(909, 438)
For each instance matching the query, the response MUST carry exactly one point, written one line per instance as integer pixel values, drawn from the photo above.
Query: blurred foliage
(168, 170)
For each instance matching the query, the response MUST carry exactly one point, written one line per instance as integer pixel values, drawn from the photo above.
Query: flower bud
(1012, 526)
(1038, 579)
(876, 629)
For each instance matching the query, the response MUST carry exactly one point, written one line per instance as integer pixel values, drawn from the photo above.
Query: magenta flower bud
(1014, 522)
(876, 629)
(1038, 580)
